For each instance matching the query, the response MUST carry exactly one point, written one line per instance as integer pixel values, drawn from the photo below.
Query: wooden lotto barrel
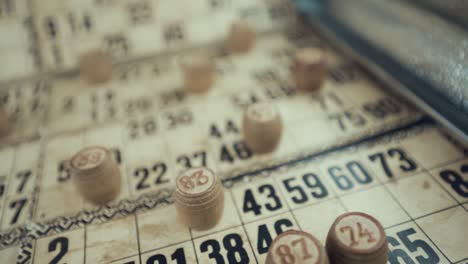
(96, 174)
(199, 198)
(296, 247)
(357, 237)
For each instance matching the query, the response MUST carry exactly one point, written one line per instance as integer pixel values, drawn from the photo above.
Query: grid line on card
(464, 261)
(291, 211)
(432, 241)
(84, 243)
(441, 185)
(165, 246)
(8, 176)
(458, 204)
(39, 175)
(115, 260)
(398, 224)
(138, 236)
(338, 198)
(33, 256)
(194, 248)
(448, 163)
(451, 196)
(126, 159)
(345, 207)
(193, 245)
(414, 220)
(380, 183)
(243, 225)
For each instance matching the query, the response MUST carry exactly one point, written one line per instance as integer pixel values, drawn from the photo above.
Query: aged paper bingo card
(112, 74)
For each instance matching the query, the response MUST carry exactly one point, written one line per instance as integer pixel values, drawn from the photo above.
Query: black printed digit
(199, 158)
(416, 246)
(2, 187)
(18, 206)
(344, 181)
(60, 244)
(275, 203)
(142, 174)
(118, 45)
(407, 163)
(340, 179)
(23, 176)
(344, 73)
(241, 152)
(232, 243)
(396, 254)
(236, 253)
(301, 196)
(264, 236)
(160, 170)
(157, 259)
(117, 155)
(250, 203)
(383, 162)
(456, 181)
(230, 127)
(215, 250)
(313, 182)
(51, 27)
(358, 172)
(64, 173)
(140, 12)
(174, 32)
(178, 256)
(382, 108)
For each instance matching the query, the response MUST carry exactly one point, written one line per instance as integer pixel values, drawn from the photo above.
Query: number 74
(412, 246)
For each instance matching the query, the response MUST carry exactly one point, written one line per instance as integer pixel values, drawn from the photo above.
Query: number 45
(412, 246)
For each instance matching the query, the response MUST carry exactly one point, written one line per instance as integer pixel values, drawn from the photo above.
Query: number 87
(284, 251)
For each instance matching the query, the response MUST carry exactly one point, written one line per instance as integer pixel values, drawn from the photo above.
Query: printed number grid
(150, 141)
(51, 35)
(418, 192)
(49, 170)
(18, 44)
(421, 209)
(43, 178)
